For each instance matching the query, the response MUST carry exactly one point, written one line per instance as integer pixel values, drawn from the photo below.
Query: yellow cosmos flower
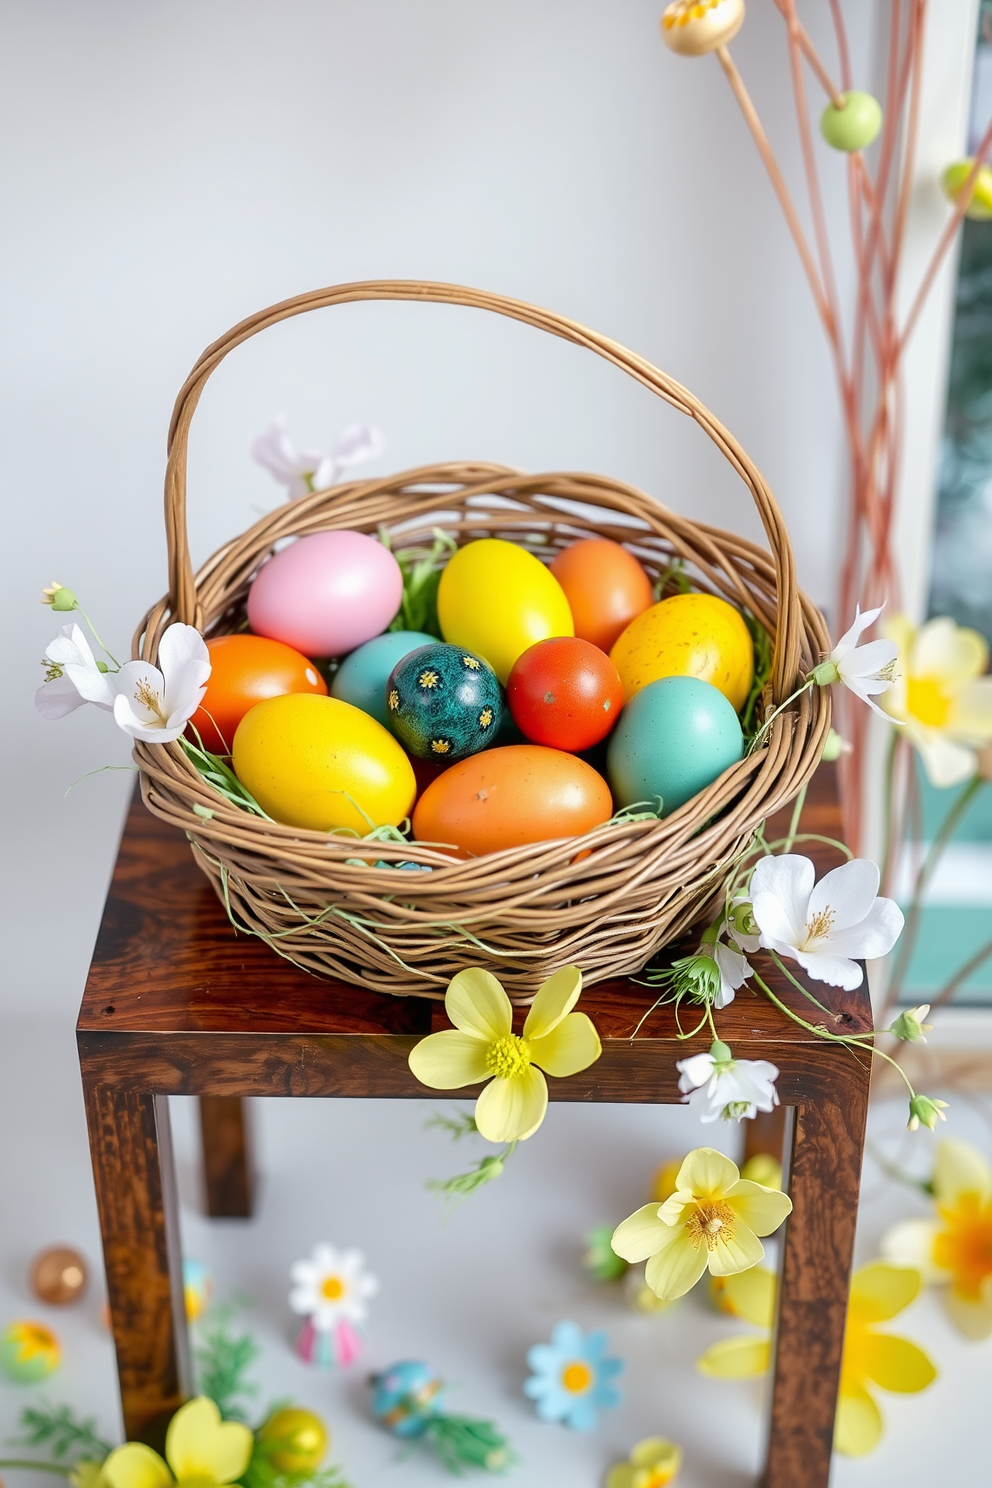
(878, 1292)
(713, 1219)
(482, 1046)
(653, 1463)
(955, 1249)
(942, 696)
(201, 1451)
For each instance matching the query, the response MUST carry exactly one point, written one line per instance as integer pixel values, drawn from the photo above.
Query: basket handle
(182, 590)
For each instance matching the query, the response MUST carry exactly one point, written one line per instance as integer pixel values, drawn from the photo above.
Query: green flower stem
(25, 1463)
(887, 813)
(798, 984)
(105, 649)
(797, 812)
(892, 1170)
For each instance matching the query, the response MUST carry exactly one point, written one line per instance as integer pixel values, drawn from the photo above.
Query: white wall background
(173, 165)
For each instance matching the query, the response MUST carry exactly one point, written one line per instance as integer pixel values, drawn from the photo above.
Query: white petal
(945, 762)
(71, 645)
(874, 936)
(836, 971)
(868, 661)
(180, 646)
(694, 1071)
(92, 685)
(910, 1243)
(57, 698)
(850, 638)
(786, 880)
(847, 892)
(357, 443)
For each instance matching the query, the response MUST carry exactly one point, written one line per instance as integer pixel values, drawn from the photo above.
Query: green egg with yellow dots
(444, 703)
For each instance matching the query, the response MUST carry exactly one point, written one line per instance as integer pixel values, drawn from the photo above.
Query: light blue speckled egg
(672, 740)
(361, 678)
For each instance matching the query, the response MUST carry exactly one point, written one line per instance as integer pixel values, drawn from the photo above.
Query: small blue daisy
(572, 1375)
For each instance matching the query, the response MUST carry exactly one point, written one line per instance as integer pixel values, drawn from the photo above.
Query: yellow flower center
(332, 1288)
(964, 1246)
(711, 1223)
(34, 1339)
(146, 694)
(576, 1377)
(818, 928)
(927, 701)
(682, 12)
(508, 1057)
(653, 1477)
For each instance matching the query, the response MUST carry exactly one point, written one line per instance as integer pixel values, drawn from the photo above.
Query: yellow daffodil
(482, 1046)
(713, 1219)
(878, 1292)
(942, 697)
(955, 1249)
(653, 1463)
(201, 1451)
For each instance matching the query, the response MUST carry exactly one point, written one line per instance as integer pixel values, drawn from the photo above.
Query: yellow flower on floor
(955, 1249)
(653, 1463)
(750, 1295)
(713, 1219)
(941, 696)
(878, 1292)
(482, 1046)
(201, 1450)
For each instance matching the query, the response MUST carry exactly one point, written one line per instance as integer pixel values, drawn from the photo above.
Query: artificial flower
(925, 1112)
(732, 967)
(201, 1450)
(653, 1463)
(482, 1046)
(827, 926)
(954, 1250)
(741, 926)
(156, 704)
(302, 471)
(750, 1295)
(865, 670)
(717, 1084)
(910, 1027)
(571, 1377)
(332, 1285)
(942, 697)
(694, 27)
(713, 1219)
(59, 597)
(74, 676)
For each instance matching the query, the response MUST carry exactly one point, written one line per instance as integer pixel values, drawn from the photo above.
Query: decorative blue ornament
(444, 703)
(408, 1399)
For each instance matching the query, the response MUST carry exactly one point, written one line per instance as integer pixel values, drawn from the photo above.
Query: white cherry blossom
(156, 703)
(733, 968)
(301, 471)
(716, 1085)
(865, 670)
(74, 678)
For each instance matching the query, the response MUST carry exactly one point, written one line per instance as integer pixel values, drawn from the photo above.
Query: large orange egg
(510, 796)
(245, 670)
(605, 587)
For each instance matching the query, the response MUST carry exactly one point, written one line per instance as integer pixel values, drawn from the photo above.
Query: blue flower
(571, 1378)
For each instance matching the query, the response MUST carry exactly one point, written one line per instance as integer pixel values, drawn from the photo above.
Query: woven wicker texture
(606, 902)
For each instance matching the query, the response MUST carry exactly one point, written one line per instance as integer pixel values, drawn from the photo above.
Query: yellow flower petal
(677, 1266)
(859, 1422)
(554, 1001)
(572, 1045)
(762, 1209)
(736, 1358)
(448, 1060)
(707, 1174)
(741, 1251)
(751, 1295)
(476, 1003)
(896, 1364)
(960, 1169)
(621, 1476)
(971, 712)
(512, 1110)
(641, 1234)
(198, 1444)
(136, 1466)
(657, 1451)
(880, 1291)
(948, 652)
(972, 1318)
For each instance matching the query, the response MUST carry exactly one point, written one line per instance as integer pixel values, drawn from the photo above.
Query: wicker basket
(635, 886)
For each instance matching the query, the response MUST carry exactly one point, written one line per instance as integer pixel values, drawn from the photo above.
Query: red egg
(605, 587)
(565, 693)
(245, 670)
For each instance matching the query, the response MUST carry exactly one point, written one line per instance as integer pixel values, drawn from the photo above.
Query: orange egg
(245, 670)
(510, 796)
(605, 587)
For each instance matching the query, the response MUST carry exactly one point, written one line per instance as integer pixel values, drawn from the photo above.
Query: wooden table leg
(825, 1176)
(131, 1148)
(228, 1169)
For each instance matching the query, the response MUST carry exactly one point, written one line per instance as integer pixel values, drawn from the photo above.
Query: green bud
(834, 747)
(720, 1052)
(492, 1167)
(825, 674)
(697, 977)
(910, 1026)
(59, 597)
(925, 1112)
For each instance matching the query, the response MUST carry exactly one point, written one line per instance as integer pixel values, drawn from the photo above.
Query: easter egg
(673, 739)
(29, 1351)
(320, 763)
(58, 1275)
(198, 1288)
(361, 678)
(327, 593)
(406, 1397)
(245, 669)
(511, 796)
(443, 702)
(605, 587)
(496, 599)
(688, 635)
(297, 1440)
(564, 692)
(853, 127)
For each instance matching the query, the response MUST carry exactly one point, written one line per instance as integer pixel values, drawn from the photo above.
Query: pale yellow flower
(483, 1046)
(942, 696)
(713, 1219)
(694, 27)
(201, 1451)
(653, 1463)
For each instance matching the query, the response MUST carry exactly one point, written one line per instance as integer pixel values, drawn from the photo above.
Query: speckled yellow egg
(688, 635)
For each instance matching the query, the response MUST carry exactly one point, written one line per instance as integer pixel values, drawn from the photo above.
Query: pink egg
(326, 594)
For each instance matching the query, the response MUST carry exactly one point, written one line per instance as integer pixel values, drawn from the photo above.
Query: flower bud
(925, 1112)
(826, 673)
(835, 747)
(59, 597)
(694, 27)
(720, 1052)
(910, 1026)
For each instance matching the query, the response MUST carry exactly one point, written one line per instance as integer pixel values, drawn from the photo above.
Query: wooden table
(177, 1004)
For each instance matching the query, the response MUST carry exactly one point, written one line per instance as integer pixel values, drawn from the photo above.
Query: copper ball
(58, 1275)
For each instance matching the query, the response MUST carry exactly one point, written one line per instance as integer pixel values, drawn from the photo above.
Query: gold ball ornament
(694, 27)
(979, 207)
(58, 1275)
(300, 1437)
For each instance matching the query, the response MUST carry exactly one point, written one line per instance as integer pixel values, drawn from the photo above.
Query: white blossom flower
(741, 926)
(827, 926)
(74, 677)
(718, 1085)
(733, 968)
(301, 471)
(156, 705)
(332, 1285)
(865, 670)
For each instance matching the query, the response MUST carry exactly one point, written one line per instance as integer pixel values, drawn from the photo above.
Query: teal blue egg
(672, 740)
(361, 678)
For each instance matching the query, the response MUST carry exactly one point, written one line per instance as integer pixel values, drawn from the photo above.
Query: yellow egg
(298, 1439)
(318, 762)
(688, 635)
(496, 599)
